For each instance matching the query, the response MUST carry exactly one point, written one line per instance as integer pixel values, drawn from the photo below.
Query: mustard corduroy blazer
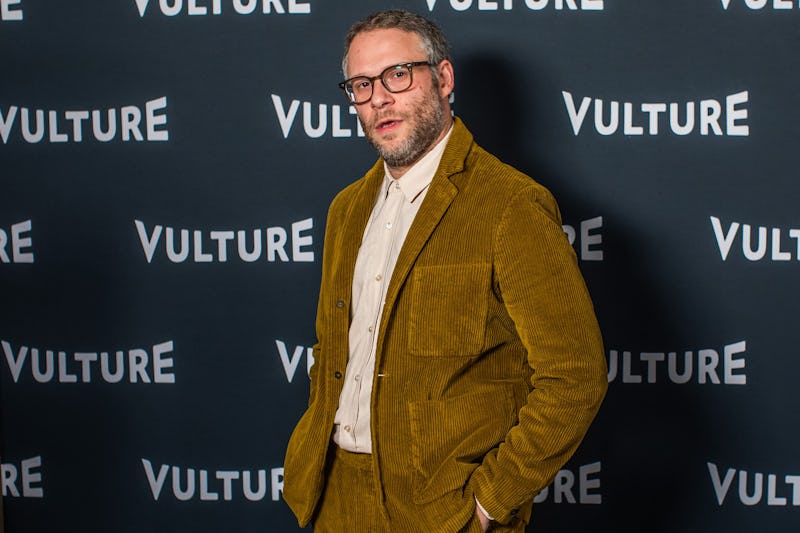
(489, 362)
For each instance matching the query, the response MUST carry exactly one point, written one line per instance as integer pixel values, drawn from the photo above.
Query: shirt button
(371, 329)
(388, 225)
(347, 429)
(378, 277)
(357, 377)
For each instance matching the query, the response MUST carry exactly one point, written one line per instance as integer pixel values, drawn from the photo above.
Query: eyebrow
(384, 68)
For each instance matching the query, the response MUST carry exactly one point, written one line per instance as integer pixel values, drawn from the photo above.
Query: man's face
(404, 126)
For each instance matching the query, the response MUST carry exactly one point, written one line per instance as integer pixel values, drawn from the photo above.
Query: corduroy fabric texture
(489, 366)
(349, 500)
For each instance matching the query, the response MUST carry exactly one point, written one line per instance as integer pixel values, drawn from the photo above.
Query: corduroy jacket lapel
(441, 194)
(353, 228)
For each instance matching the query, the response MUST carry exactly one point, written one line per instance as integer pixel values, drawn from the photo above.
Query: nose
(380, 95)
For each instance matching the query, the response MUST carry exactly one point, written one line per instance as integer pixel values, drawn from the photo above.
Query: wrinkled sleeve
(544, 293)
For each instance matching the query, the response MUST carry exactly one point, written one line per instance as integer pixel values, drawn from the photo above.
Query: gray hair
(434, 43)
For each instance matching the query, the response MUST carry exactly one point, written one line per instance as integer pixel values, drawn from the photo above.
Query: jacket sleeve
(545, 295)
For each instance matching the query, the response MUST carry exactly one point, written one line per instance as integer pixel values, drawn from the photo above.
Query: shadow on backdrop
(637, 315)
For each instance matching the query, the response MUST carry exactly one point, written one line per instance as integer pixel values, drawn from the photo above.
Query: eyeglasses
(396, 79)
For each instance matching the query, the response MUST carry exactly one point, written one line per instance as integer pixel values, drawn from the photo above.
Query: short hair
(434, 43)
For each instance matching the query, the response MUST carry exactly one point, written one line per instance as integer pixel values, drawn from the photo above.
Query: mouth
(386, 125)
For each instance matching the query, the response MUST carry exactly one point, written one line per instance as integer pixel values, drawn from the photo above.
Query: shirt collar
(419, 176)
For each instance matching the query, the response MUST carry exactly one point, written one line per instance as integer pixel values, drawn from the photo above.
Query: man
(459, 362)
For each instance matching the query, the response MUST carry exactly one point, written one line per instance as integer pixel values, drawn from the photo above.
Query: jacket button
(337, 375)
(340, 304)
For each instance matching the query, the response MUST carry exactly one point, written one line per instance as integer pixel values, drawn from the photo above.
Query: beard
(426, 121)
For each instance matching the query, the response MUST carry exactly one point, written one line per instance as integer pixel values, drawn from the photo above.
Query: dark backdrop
(154, 358)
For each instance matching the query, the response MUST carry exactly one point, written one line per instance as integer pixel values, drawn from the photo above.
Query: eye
(398, 74)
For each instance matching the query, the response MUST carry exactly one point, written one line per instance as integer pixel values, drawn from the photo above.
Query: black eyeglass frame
(410, 66)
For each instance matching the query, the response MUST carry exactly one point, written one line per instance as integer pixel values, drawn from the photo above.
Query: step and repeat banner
(165, 171)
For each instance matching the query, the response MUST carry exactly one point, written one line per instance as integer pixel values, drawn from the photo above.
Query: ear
(446, 78)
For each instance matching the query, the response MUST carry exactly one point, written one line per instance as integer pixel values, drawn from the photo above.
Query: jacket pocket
(449, 307)
(450, 437)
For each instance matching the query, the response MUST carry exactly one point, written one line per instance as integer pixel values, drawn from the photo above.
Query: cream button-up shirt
(395, 208)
